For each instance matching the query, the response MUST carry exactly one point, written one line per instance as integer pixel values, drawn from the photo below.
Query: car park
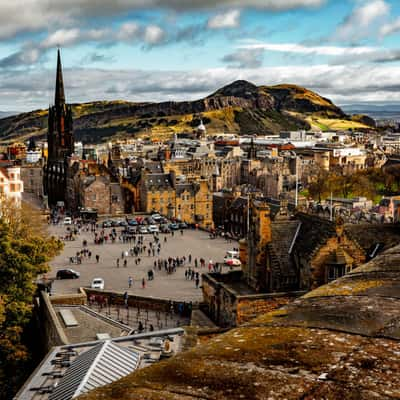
(67, 274)
(97, 283)
(143, 230)
(153, 229)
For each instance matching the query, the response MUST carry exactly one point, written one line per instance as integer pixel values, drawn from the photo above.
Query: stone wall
(146, 303)
(227, 308)
(250, 307)
(52, 333)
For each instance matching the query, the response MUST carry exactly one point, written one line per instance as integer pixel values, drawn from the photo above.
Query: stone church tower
(60, 140)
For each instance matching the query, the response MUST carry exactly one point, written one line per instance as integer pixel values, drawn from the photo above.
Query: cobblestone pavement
(174, 286)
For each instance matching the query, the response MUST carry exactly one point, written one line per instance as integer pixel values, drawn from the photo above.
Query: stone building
(98, 192)
(92, 185)
(285, 256)
(190, 202)
(32, 176)
(60, 142)
(11, 185)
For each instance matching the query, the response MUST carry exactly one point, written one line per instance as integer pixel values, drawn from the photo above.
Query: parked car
(123, 223)
(174, 226)
(232, 262)
(143, 230)
(133, 222)
(107, 224)
(183, 225)
(67, 221)
(97, 283)
(157, 218)
(67, 274)
(153, 229)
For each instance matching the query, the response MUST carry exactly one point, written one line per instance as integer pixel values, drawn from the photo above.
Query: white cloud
(153, 34)
(62, 37)
(229, 19)
(390, 28)
(363, 20)
(311, 50)
(18, 16)
(128, 31)
(245, 58)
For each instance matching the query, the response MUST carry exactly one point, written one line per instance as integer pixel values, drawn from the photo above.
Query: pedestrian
(190, 258)
(126, 297)
(195, 263)
(140, 327)
(130, 281)
(143, 283)
(117, 262)
(97, 258)
(125, 263)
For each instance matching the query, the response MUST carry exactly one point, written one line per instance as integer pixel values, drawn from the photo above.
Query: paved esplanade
(169, 286)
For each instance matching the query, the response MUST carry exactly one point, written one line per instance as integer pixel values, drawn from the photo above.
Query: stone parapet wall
(69, 299)
(52, 333)
(147, 303)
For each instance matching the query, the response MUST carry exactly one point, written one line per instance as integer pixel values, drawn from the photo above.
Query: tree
(24, 253)
(318, 187)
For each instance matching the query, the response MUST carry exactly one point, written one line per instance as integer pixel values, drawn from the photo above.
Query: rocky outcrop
(341, 341)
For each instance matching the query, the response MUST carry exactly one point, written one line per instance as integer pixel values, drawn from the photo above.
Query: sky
(161, 50)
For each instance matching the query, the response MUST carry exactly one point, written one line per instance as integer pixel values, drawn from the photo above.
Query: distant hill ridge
(240, 107)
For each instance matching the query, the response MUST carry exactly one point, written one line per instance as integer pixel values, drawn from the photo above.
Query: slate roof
(283, 234)
(158, 181)
(314, 232)
(99, 366)
(368, 236)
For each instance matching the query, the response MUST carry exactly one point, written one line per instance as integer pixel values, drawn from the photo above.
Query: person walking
(143, 283)
(97, 258)
(130, 282)
(117, 262)
(126, 297)
(125, 263)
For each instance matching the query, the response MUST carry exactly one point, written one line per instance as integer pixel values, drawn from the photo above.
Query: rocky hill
(240, 107)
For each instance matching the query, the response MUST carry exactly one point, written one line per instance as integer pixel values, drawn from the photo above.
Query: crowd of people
(139, 246)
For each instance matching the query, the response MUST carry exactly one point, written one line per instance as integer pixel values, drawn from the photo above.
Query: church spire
(60, 96)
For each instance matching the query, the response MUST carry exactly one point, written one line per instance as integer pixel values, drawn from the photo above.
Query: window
(94, 197)
(114, 199)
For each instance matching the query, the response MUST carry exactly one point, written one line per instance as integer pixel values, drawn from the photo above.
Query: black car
(67, 274)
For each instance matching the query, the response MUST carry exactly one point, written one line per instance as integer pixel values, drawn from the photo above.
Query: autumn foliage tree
(24, 253)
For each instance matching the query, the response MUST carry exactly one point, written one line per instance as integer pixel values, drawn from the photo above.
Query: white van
(67, 221)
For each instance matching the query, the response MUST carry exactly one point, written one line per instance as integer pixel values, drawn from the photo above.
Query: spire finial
(60, 96)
